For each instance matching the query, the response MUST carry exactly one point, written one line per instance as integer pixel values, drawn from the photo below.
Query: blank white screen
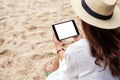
(65, 30)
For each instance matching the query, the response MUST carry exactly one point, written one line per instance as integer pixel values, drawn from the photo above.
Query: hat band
(94, 14)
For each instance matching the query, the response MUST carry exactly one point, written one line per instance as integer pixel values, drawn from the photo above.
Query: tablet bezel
(56, 34)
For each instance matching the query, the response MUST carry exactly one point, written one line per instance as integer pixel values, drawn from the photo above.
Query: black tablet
(64, 30)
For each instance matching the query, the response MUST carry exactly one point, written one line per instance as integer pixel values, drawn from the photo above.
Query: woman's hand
(59, 47)
(58, 44)
(76, 38)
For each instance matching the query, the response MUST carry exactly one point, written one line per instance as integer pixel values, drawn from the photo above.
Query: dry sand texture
(25, 36)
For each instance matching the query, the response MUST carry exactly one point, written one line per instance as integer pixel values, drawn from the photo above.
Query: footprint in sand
(1, 41)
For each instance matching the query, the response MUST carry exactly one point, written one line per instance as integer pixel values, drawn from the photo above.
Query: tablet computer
(64, 30)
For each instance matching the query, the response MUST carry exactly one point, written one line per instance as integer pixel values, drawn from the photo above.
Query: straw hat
(100, 13)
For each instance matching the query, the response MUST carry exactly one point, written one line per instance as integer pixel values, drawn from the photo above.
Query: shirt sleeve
(69, 65)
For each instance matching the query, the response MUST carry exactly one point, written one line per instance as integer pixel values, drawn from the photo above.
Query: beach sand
(26, 36)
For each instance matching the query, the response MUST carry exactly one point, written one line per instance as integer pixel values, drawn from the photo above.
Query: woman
(97, 55)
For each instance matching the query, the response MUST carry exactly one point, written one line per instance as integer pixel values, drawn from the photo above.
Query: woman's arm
(51, 67)
(59, 47)
(60, 54)
(55, 64)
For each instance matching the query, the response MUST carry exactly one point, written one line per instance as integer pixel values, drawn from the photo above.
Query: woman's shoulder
(78, 46)
(80, 43)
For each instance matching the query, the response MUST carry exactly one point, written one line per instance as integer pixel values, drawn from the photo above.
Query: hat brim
(112, 23)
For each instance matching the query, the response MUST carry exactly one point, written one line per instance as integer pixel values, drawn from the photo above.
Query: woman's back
(85, 62)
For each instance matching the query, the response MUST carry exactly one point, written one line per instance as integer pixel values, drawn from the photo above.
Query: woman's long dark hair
(105, 46)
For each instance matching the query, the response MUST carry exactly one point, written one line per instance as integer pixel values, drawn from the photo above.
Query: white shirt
(78, 64)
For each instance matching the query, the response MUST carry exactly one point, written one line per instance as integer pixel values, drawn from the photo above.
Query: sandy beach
(26, 36)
